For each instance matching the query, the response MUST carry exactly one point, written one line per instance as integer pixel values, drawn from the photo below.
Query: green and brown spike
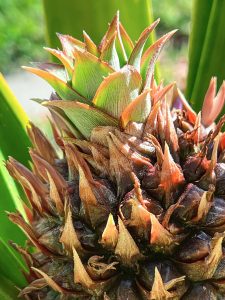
(134, 208)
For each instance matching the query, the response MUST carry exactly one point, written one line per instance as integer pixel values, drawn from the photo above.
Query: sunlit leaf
(69, 43)
(151, 55)
(138, 110)
(135, 58)
(55, 69)
(83, 116)
(127, 42)
(88, 73)
(65, 60)
(90, 45)
(110, 54)
(118, 90)
(60, 86)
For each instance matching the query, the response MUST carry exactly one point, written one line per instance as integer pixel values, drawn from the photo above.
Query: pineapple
(133, 207)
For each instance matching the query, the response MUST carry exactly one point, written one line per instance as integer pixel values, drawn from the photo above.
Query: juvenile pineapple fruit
(133, 207)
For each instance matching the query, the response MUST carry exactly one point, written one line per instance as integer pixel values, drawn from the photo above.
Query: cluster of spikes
(133, 205)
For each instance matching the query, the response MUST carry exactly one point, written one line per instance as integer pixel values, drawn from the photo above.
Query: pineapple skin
(132, 203)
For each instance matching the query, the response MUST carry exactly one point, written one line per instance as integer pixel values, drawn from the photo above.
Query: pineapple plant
(131, 205)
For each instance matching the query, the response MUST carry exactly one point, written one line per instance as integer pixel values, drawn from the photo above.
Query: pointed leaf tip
(88, 74)
(150, 57)
(69, 237)
(171, 175)
(65, 60)
(49, 281)
(54, 195)
(80, 274)
(90, 45)
(138, 110)
(69, 43)
(135, 57)
(127, 42)
(109, 53)
(126, 247)
(158, 288)
(212, 105)
(110, 234)
(59, 85)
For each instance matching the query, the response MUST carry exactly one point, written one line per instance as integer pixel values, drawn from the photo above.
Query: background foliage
(173, 14)
(21, 33)
(207, 48)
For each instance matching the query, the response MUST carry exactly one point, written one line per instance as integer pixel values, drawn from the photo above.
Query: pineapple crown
(112, 84)
(103, 85)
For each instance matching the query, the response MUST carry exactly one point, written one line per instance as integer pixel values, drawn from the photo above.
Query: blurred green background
(21, 33)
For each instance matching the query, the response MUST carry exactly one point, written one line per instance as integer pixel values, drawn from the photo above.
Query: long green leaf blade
(13, 138)
(14, 142)
(8, 290)
(10, 262)
(212, 55)
(13, 120)
(199, 22)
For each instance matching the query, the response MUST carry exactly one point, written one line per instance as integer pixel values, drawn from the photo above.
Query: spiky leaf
(118, 90)
(62, 88)
(88, 73)
(83, 116)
